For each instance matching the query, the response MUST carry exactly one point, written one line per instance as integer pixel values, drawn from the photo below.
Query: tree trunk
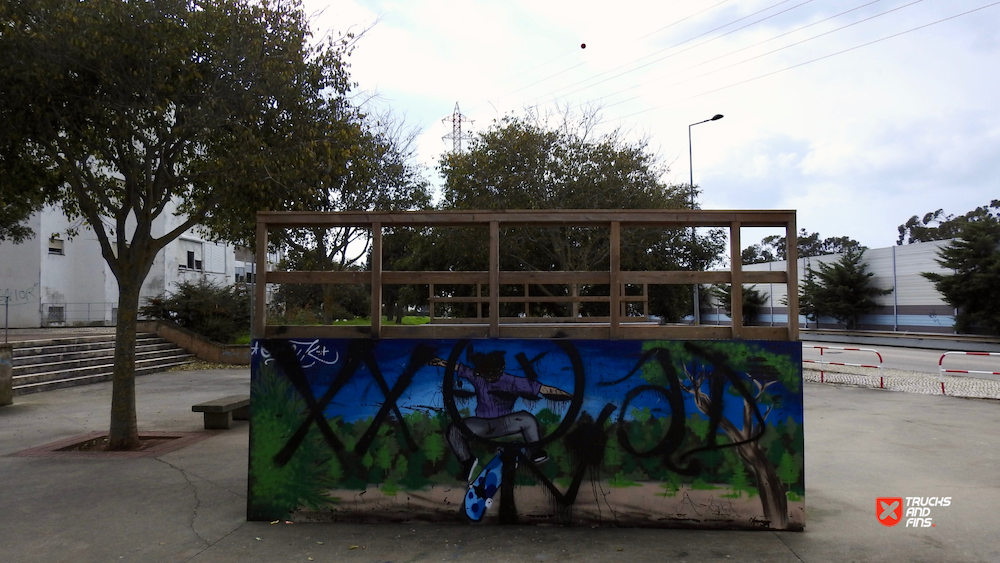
(124, 432)
(774, 502)
(328, 301)
(772, 493)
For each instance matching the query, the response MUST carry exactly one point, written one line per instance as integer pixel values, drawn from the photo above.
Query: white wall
(20, 285)
(914, 303)
(80, 282)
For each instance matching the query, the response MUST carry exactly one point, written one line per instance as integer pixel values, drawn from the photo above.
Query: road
(909, 359)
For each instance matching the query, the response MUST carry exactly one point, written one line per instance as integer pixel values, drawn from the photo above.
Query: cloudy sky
(858, 114)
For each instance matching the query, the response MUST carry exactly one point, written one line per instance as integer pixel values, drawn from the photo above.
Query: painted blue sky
(601, 360)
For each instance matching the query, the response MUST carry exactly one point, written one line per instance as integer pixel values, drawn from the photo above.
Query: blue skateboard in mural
(483, 488)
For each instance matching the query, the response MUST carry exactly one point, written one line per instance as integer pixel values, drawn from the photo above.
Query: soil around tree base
(93, 445)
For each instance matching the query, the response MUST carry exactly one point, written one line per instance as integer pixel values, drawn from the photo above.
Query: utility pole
(456, 135)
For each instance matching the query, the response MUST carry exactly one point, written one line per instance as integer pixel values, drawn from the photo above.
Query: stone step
(46, 356)
(42, 365)
(56, 362)
(69, 345)
(90, 374)
(72, 381)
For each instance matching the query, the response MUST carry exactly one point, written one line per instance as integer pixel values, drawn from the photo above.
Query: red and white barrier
(881, 380)
(942, 371)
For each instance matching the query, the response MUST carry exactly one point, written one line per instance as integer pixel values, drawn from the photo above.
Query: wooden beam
(736, 273)
(792, 287)
(494, 279)
(616, 281)
(674, 277)
(260, 282)
(376, 280)
(614, 220)
(536, 217)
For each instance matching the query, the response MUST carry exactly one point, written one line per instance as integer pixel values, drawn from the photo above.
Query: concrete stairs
(43, 365)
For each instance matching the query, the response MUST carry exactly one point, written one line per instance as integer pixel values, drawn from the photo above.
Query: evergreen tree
(843, 289)
(753, 301)
(974, 288)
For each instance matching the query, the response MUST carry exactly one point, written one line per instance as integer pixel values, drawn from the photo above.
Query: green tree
(938, 226)
(753, 301)
(772, 248)
(524, 163)
(807, 293)
(379, 174)
(974, 288)
(127, 109)
(843, 289)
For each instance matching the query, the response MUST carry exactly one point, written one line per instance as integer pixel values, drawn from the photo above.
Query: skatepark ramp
(532, 396)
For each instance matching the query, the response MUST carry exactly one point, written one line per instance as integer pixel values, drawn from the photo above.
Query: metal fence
(78, 314)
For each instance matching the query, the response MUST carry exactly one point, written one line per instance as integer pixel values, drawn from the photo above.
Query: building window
(56, 246)
(57, 314)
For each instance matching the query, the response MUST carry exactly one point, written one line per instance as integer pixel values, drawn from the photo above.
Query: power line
(633, 41)
(856, 47)
(675, 45)
(825, 33)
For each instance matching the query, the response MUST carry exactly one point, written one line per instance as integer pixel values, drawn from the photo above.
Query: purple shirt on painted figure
(496, 398)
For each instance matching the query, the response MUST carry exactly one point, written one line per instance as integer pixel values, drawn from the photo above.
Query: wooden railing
(492, 325)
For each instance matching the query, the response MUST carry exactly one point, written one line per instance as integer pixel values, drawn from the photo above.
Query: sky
(856, 113)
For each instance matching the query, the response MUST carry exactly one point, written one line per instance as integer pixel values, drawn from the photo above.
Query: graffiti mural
(588, 432)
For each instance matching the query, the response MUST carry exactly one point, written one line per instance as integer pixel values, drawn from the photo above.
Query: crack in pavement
(788, 547)
(197, 499)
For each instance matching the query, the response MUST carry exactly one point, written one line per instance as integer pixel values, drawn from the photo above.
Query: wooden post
(430, 301)
(479, 304)
(792, 286)
(736, 287)
(574, 291)
(645, 302)
(527, 305)
(376, 267)
(260, 282)
(616, 283)
(494, 279)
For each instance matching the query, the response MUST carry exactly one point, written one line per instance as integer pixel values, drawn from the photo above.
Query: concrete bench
(220, 413)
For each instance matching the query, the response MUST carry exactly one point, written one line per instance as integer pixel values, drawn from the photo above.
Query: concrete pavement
(189, 504)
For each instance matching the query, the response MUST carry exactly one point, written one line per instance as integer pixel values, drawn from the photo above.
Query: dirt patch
(93, 445)
(642, 505)
(101, 444)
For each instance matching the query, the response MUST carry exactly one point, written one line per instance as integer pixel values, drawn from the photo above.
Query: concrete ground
(189, 505)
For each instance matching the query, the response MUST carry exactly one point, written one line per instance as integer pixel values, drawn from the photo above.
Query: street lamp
(697, 305)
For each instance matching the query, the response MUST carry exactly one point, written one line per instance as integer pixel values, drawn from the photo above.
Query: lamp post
(697, 305)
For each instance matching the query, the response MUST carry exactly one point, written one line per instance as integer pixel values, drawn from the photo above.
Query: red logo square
(889, 510)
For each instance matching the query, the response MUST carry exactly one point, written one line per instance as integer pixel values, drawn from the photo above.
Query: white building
(914, 305)
(57, 280)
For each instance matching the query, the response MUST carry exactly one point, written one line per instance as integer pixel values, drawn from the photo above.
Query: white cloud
(857, 142)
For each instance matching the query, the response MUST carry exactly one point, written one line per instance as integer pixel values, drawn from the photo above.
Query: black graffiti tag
(360, 351)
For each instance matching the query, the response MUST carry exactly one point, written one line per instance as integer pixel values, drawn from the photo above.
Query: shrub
(216, 312)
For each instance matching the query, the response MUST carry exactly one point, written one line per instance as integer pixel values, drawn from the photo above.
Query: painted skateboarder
(496, 393)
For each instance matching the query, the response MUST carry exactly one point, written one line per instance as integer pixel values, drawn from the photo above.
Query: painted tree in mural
(118, 109)
(714, 372)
